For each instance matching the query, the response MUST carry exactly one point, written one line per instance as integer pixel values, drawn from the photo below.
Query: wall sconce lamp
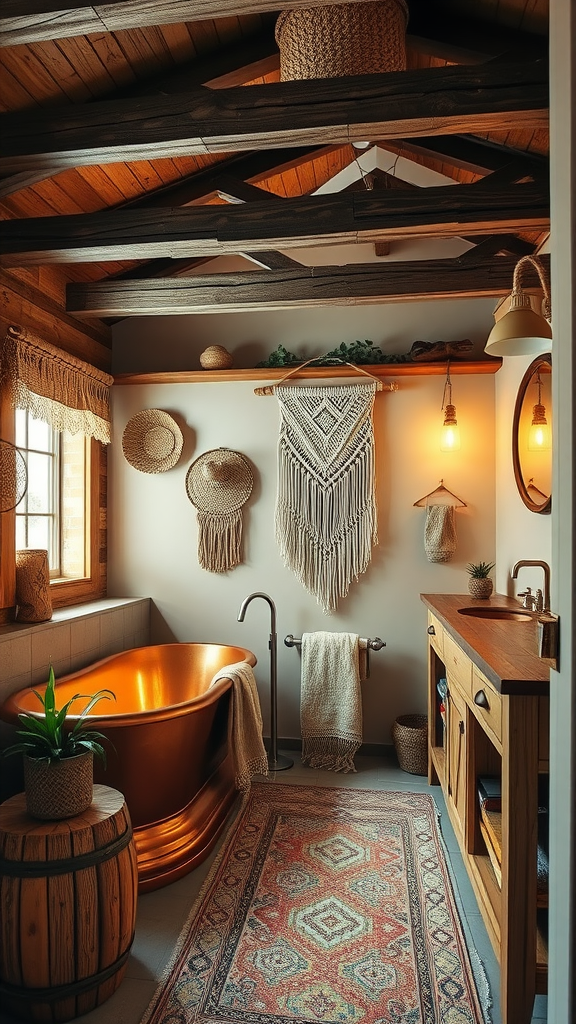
(521, 331)
(539, 434)
(450, 433)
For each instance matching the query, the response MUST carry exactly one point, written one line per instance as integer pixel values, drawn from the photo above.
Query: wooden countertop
(506, 651)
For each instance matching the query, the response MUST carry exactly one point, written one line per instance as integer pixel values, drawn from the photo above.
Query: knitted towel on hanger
(326, 506)
(440, 532)
(330, 701)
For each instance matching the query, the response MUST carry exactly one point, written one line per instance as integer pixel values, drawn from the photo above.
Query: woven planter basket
(480, 589)
(410, 735)
(342, 39)
(58, 789)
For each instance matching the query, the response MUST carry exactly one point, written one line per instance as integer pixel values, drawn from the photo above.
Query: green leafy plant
(480, 570)
(45, 736)
(280, 357)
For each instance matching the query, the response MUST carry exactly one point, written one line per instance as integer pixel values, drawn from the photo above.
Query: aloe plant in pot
(58, 759)
(480, 585)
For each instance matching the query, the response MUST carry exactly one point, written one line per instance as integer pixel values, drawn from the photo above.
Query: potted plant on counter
(480, 585)
(58, 760)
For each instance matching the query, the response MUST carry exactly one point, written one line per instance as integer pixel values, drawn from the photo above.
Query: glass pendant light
(450, 433)
(539, 434)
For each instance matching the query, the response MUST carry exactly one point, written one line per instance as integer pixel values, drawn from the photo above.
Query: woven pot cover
(152, 441)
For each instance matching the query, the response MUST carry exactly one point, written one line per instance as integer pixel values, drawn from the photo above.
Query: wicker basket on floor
(342, 39)
(410, 735)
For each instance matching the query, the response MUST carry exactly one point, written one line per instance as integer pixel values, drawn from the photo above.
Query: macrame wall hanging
(218, 484)
(326, 507)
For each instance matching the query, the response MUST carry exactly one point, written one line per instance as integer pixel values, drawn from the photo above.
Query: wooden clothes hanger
(444, 496)
(269, 389)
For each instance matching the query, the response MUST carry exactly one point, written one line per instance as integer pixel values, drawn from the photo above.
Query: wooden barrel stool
(68, 907)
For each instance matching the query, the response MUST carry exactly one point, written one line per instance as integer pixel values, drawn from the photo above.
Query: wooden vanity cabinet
(482, 731)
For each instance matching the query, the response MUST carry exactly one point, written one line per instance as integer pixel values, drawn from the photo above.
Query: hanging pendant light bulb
(450, 434)
(539, 435)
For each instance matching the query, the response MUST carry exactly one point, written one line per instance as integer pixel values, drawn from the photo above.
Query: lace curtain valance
(55, 386)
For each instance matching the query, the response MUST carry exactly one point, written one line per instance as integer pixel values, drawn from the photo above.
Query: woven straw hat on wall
(152, 441)
(218, 484)
(342, 39)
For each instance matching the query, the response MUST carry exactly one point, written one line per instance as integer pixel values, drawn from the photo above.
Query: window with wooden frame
(64, 507)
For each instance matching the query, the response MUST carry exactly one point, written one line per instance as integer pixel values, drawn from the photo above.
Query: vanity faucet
(546, 568)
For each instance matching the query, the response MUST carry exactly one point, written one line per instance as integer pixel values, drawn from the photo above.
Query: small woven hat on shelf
(152, 441)
(219, 483)
(342, 39)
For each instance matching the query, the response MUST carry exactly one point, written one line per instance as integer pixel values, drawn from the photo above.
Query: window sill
(68, 614)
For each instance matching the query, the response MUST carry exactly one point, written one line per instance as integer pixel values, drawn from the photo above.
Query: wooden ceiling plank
(110, 53)
(439, 101)
(13, 96)
(304, 287)
(378, 215)
(63, 71)
(27, 21)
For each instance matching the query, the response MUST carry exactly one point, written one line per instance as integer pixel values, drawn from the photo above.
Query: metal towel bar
(373, 645)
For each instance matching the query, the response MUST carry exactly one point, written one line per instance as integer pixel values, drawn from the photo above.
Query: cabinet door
(456, 758)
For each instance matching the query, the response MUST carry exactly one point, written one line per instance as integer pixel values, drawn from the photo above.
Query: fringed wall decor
(326, 506)
(55, 386)
(218, 484)
(440, 525)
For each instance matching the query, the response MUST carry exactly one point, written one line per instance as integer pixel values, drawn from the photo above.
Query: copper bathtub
(169, 751)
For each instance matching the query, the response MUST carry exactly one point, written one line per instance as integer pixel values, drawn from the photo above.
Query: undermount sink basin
(496, 613)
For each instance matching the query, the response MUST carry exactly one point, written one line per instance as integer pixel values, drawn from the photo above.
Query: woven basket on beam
(342, 39)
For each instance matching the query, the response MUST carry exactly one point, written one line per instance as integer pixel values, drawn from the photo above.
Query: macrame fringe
(37, 376)
(326, 534)
(333, 753)
(219, 541)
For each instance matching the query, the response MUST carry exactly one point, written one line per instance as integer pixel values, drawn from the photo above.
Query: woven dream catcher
(218, 484)
(13, 476)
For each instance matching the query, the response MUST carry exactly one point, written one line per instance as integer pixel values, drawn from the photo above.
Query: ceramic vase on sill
(34, 603)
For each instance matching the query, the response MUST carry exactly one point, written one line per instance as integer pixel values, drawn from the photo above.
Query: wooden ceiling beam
(447, 100)
(355, 284)
(480, 156)
(375, 215)
(28, 21)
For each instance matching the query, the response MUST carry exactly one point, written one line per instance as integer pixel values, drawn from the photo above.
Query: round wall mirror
(532, 436)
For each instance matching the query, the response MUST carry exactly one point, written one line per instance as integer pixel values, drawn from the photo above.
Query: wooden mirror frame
(527, 379)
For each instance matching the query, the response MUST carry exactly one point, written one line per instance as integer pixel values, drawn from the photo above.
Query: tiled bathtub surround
(73, 638)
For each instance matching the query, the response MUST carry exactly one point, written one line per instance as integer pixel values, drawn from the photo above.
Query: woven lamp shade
(342, 39)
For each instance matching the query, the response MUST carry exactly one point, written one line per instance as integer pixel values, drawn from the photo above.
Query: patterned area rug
(324, 905)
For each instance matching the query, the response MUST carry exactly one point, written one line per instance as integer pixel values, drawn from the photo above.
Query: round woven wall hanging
(152, 441)
(13, 476)
(219, 483)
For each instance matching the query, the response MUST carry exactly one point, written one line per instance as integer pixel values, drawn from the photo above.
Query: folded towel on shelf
(330, 701)
(245, 724)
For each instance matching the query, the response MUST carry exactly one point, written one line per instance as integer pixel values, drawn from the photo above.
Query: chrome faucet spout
(276, 762)
(543, 565)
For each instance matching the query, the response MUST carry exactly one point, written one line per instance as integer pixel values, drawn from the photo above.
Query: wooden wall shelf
(267, 374)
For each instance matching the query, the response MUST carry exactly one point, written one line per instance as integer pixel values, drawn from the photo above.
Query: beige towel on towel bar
(245, 724)
(330, 701)
(440, 532)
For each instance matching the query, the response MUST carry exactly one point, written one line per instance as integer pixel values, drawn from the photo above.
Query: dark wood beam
(445, 100)
(355, 284)
(480, 156)
(375, 215)
(229, 66)
(464, 40)
(28, 21)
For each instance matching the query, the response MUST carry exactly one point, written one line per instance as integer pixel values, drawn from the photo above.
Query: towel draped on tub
(245, 724)
(330, 702)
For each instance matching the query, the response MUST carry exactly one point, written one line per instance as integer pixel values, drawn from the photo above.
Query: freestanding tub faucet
(545, 567)
(276, 762)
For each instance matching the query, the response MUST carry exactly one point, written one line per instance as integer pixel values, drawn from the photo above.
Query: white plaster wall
(153, 531)
(520, 533)
(175, 342)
